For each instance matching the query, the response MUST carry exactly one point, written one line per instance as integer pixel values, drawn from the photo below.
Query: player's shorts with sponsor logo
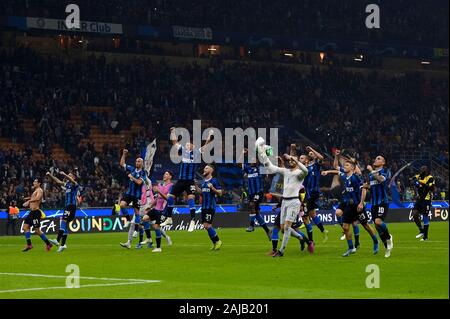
(208, 215)
(34, 218)
(423, 206)
(183, 185)
(379, 211)
(351, 214)
(132, 201)
(290, 208)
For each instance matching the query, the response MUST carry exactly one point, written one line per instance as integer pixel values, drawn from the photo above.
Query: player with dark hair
(255, 195)
(425, 185)
(312, 186)
(137, 177)
(154, 211)
(378, 180)
(303, 239)
(190, 160)
(210, 189)
(293, 178)
(34, 217)
(353, 207)
(71, 189)
(340, 208)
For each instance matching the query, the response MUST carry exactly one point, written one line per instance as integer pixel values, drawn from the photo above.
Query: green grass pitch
(241, 269)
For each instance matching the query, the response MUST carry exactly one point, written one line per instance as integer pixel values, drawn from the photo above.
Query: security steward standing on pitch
(13, 215)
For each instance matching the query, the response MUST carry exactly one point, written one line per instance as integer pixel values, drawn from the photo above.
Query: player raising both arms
(255, 195)
(190, 160)
(424, 182)
(296, 225)
(312, 186)
(34, 217)
(353, 205)
(71, 188)
(378, 178)
(210, 189)
(133, 195)
(290, 205)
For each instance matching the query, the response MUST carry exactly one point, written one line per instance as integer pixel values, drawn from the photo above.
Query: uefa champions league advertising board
(92, 220)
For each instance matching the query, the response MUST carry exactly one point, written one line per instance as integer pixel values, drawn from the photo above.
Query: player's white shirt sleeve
(271, 169)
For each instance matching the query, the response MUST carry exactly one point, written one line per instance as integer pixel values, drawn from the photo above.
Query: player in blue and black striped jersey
(190, 161)
(312, 186)
(137, 177)
(255, 188)
(378, 180)
(71, 189)
(353, 205)
(210, 189)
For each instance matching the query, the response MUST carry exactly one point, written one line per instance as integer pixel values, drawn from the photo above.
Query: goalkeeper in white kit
(293, 179)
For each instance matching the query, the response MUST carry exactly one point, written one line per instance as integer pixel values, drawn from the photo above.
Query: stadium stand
(74, 113)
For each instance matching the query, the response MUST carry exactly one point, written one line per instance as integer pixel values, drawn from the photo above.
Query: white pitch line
(81, 286)
(81, 277)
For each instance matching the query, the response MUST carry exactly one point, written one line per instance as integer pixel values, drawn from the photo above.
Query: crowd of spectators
(403, 21)
(364, 115)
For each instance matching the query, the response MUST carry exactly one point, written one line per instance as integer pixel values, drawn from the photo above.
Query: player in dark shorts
(153, 216)
(210, 189)
(190, 161)
(137, 178)
(340, 208)
(312, 186)
(425, 185)
(255, 195)
(353, 205)
(378, 180)
(71, 189)
(34, 217)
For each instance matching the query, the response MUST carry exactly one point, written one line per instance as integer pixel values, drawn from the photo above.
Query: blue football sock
(275, 231)
(63, 225)
(191, 204)
(309, 228)
(426, 220)
(300, 233)
(137, 219)
(317, 220)
(28, 237)
(350, 244)
(169, 207)
(44, 238)
(212, 232)
(355, 230)
(374, 238)
(158, 238)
